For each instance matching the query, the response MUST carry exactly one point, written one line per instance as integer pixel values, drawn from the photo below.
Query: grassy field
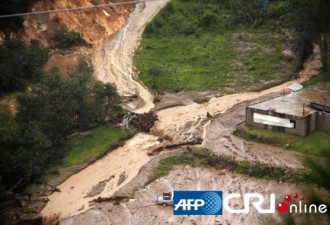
(92, 144)
(228, 60)
(317, 143)
(322, 77)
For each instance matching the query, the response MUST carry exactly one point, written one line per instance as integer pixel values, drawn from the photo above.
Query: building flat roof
(292, 104)
(296, 87)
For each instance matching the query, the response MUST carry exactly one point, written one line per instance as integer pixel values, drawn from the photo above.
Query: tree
(60, 106)
(312, 24)
(54, 109)
(48, 105)
(19, 63)
(65, 40)
(107, 100)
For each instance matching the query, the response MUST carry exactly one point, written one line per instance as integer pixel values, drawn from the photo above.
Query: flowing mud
(143, 210)
(113, 60)
(100, 179)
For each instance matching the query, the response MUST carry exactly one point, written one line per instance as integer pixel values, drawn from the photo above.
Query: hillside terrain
(101, 110)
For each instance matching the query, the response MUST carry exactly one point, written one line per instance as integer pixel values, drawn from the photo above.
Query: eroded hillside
(93, 25)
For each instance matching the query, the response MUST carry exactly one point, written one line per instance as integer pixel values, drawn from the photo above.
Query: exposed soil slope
(113, 60)
(93, 24)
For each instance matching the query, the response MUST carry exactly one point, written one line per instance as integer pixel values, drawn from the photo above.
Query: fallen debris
(97, 189)
(163, 145)
(116, 199)
(142, 122)
(55, 189)
(122, 178)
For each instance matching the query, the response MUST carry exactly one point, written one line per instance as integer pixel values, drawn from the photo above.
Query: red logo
(299, 205)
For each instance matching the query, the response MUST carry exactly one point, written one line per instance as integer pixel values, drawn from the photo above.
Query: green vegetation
(92, 144)
(213, 62)
(322, 77)
(20, 64)
(210, 45)
(59, 106)
(230, 45)
(201, 100)
(65, 40)
(47, 115)
(320, 174)
(204, 158)
(317, 143)
(311, 21)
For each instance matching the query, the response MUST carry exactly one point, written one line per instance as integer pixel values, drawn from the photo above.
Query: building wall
(323, 122)
(303, 125)
(313, 122)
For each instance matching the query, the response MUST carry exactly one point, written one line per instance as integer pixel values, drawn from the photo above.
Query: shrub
(65, 40)
(19, 62)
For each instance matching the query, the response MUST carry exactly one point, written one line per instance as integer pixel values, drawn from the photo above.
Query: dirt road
(113, 60)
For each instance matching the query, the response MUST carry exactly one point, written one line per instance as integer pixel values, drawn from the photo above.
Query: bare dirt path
(113, 60)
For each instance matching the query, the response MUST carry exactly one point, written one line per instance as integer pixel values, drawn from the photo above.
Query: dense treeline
(54, 109)
(309, 19)
(19, 63)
